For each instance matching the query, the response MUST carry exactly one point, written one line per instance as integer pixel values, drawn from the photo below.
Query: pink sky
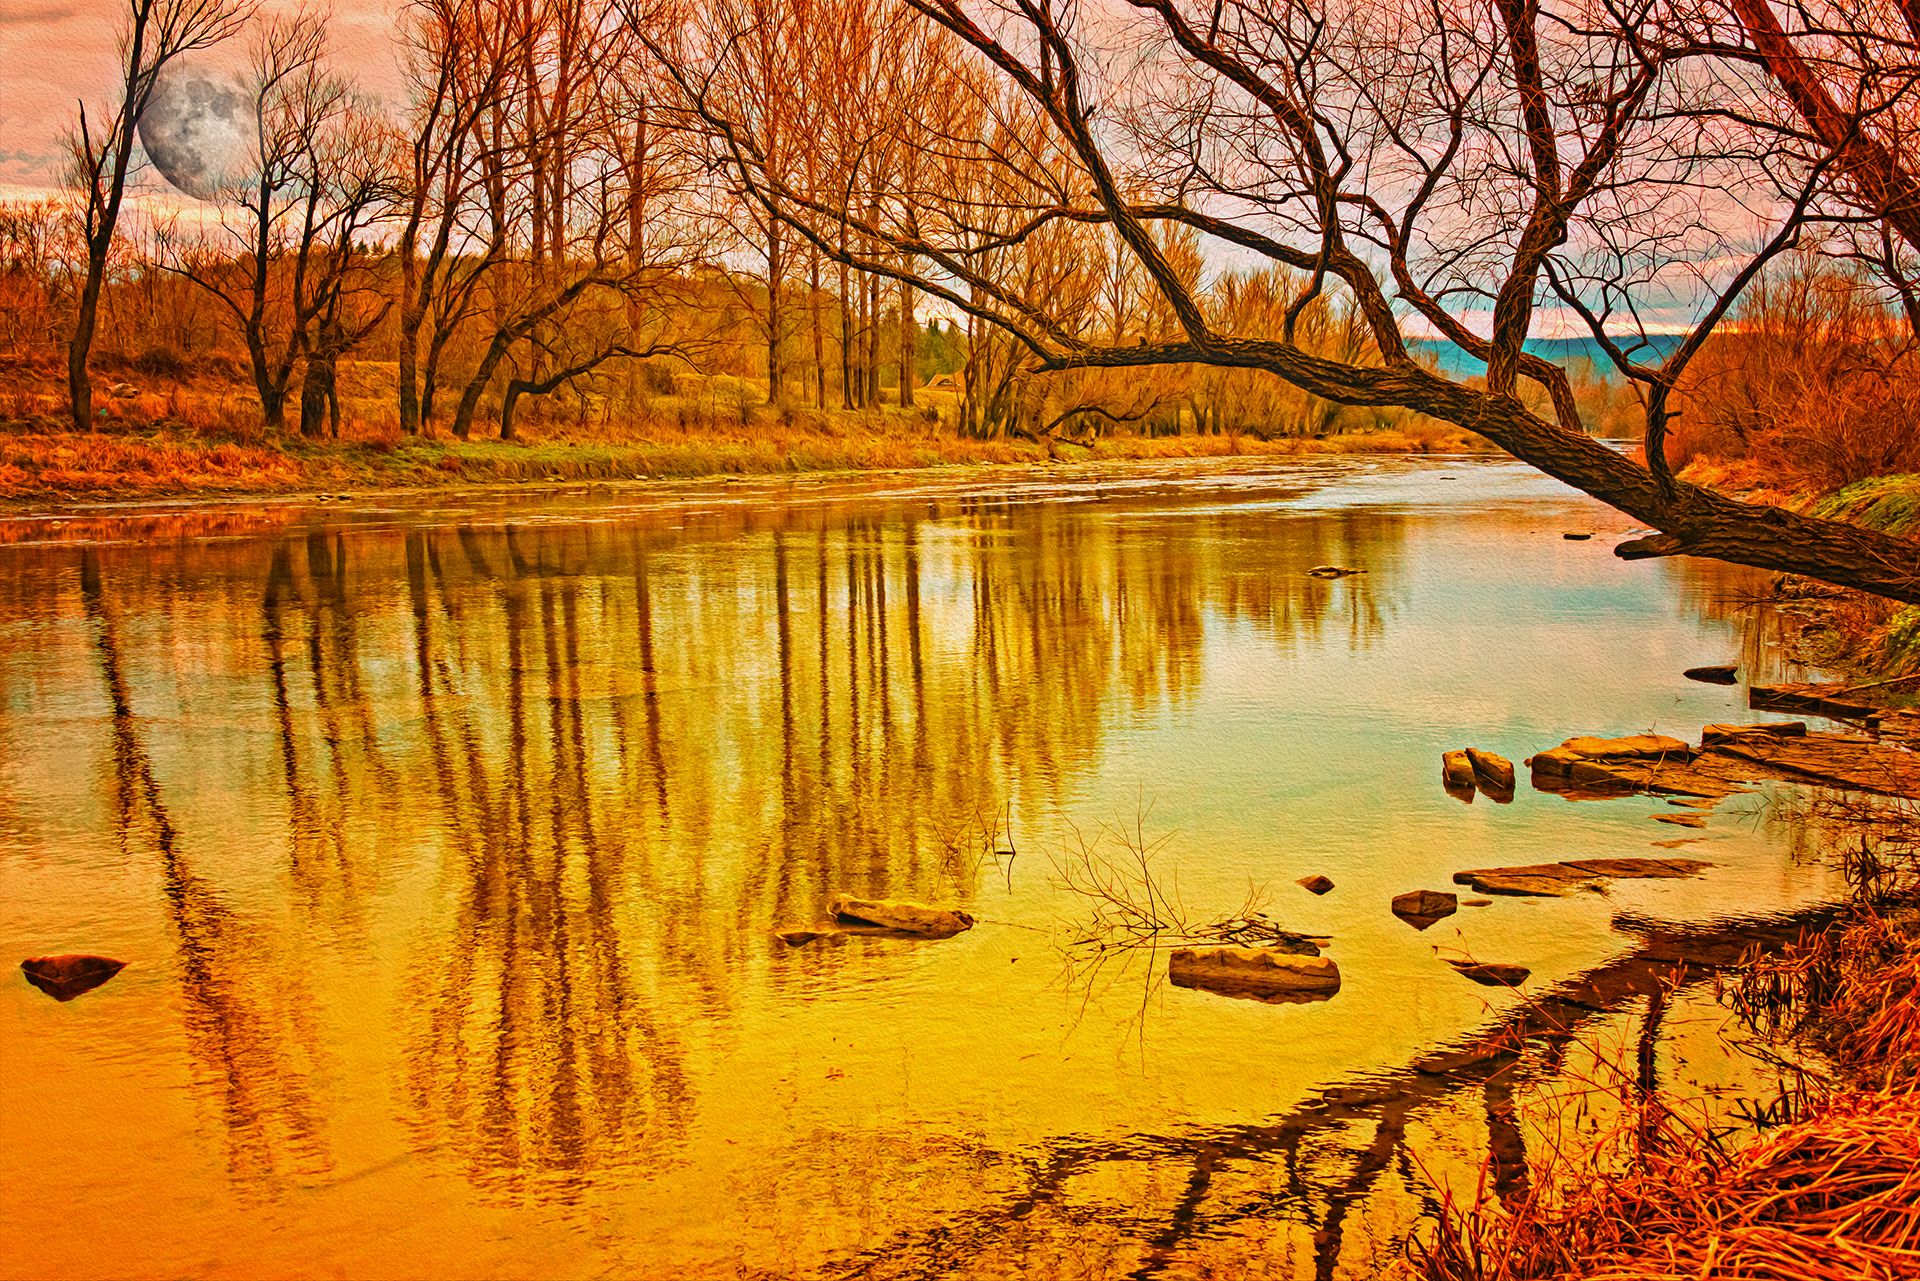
(53, 52)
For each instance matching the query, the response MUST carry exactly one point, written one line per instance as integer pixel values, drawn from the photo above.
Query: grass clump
(1832, 1195)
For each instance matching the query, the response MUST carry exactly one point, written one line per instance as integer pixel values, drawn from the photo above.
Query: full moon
(199, 130)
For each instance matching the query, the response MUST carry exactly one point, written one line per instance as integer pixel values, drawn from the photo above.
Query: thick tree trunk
(80, 347)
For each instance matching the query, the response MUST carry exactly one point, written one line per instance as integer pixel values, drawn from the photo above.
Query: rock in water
(1821, 699)
(65, 977)
(1714, 674)
(1256, 971)
(1560, 879)
(1576, 538)
(1492, 773)
(1456, 770)
(1492, 973)
(1332, 571)
(1421, 908)
(908, 918)
(1715, 734)
(1315, 884)
(1681, 820)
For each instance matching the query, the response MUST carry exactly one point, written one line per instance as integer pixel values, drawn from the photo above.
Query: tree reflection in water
(570, 775)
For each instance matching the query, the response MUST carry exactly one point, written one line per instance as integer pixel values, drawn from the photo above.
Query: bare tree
(155, 34)
(321, 179)
(1439, 165)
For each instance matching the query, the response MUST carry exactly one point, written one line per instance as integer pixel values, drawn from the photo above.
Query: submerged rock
(1421, 908)
(1714, 674)
(1560, 879)
(1332, 571)
(1681, 820)
(1492, 973)
(1256, 971)
(904, 917)
(68, 976)
(1315, 884)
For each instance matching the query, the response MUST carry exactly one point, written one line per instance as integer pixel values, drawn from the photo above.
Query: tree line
(1269, 203)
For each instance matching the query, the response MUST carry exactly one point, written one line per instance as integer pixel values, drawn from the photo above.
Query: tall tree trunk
(80, 345)
(873, 340)
(908, 333)
(846, 341)
(775, 266)
(819, 337)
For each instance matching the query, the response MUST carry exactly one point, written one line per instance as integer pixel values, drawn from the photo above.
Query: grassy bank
(203, 438)
(43, 465)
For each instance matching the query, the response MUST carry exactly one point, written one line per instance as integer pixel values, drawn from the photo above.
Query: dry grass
(1832, 1194)
(202, 435)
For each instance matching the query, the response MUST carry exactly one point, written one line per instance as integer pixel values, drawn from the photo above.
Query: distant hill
(1574, 354)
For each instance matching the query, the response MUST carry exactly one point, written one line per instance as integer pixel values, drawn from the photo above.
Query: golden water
(447, 839)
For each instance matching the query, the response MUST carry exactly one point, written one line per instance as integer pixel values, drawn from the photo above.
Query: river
(447, 837)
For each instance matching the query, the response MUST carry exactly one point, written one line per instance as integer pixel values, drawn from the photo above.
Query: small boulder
(1257, 971)
(1421, 908)
(123, 391)
(1456, 771)
(907, 918)
(1492, 973)
(65, 977)
(1315, 884)
(1714, 674)
(1491, 772)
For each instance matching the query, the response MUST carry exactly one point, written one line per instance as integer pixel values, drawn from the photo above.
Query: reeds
(1833, 1194)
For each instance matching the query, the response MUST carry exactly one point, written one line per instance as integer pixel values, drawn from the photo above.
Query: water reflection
(251, 1045)
(469, 833)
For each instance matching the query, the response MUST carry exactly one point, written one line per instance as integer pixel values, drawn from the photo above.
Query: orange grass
(201, 448)
(1834, 1195)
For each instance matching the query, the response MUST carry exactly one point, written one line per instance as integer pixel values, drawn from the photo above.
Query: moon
(199, 129)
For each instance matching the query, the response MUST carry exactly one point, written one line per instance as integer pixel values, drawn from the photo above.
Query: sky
(54, 52)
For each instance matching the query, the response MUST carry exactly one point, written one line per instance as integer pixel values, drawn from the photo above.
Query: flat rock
(1492, 773)
(1557, 880)
(1256, 971)
(1681, 820)
(1492, 973)
(1476, 902)
(1333, 571)
(1315, 884)
(1836, 760)
(1576, 538)
(906, 918)
(1714, 674)
(1581, 778)
(1823, 699)
(1713, 734)
(1429, 905)
(67, 976)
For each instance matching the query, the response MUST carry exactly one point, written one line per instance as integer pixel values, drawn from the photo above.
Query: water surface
(447, 839)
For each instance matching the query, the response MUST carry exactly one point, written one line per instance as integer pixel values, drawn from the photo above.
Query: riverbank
(168, 463)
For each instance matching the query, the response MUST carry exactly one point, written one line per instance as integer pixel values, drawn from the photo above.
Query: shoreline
(43, 470)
